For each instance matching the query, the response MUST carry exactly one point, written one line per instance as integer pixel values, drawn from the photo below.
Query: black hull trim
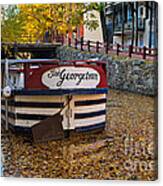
(61, 92)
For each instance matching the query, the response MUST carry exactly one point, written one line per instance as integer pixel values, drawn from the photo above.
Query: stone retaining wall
(135, 75)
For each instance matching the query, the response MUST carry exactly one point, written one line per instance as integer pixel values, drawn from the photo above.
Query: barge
(48, 97)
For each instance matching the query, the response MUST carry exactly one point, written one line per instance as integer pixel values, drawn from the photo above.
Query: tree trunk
(123, 23)
(113, 18)
(110, 38)
(133, 21)
(103, 23)
(150, 26)
(136, 37)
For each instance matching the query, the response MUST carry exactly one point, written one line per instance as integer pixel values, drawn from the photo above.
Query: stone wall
(133, 75)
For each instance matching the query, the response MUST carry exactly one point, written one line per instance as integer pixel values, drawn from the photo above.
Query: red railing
(99, 47)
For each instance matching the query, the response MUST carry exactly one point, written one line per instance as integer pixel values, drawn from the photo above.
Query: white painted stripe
(91, 108)
(43, 111)
(25, 123)
(30, 123)
(3, 116)
(89, 97)
(44, 99)
(10, 120)
(2, 98)
(89, 121)
(21, 122)
(10, 108)
(3, 107)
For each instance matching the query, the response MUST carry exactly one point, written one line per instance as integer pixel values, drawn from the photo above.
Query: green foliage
(12, 24)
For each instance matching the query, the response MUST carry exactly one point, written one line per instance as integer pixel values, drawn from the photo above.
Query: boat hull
(82, 110)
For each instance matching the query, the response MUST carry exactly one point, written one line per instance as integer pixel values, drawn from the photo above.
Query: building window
(153, 40)
(141, 41)
(141, 12)
(129, 15)
(14, 80)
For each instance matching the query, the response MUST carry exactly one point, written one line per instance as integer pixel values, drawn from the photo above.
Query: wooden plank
(89, 121)
(40, 98)
(84, 109)
(43, 111)
(89, 97)
(48, 129)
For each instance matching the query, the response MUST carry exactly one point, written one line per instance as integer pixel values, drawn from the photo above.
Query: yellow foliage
(57, 18)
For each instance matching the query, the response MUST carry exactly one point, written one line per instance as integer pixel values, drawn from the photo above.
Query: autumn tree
(11, 24)
(32, 20)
